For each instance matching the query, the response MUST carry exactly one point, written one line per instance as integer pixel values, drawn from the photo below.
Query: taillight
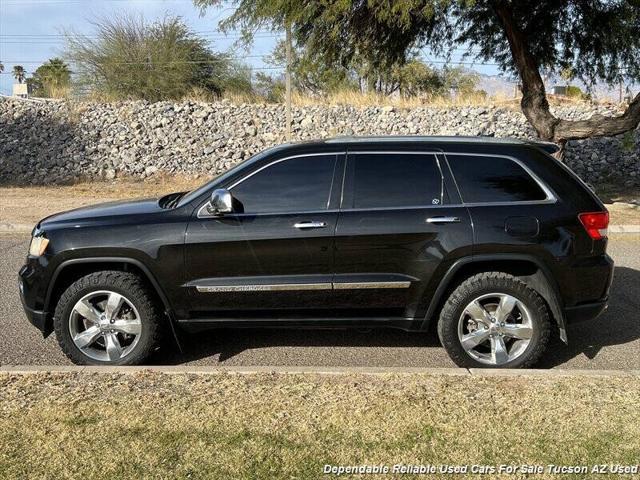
(595, 223)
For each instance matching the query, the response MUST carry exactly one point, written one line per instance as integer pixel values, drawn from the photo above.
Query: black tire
(123, 283)
(489, 283)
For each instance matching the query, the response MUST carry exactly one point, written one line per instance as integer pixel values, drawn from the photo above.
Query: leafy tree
(598, 39)
(312, 75)
(236, 78)
(19, 73)
(416, 78)
(272, 88)
(50, 78)
(130, 58)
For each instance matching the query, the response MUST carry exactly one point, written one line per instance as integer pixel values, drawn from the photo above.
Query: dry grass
(289, 426)
(243, 97)
(358, 99)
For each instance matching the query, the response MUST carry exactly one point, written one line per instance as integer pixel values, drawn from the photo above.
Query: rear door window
(486, 179)
(394, 180)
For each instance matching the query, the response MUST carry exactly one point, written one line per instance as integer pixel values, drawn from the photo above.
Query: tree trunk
(534, 99)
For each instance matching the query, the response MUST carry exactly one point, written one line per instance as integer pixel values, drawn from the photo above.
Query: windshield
(189, 197)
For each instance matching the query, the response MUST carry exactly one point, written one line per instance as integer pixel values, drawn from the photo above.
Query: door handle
(303, 225)
(443, 220)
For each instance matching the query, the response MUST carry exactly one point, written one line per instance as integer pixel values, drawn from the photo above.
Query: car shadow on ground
(620, 324)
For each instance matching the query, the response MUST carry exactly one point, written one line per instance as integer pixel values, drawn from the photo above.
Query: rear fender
(542, 281)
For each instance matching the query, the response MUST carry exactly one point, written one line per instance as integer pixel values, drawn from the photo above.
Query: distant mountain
(503, 86)
(496, 85)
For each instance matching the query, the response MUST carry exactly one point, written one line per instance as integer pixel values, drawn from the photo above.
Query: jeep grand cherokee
(493, 241)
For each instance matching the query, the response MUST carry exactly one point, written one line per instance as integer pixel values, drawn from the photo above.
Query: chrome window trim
(205, 214)
(551, 198)
(266, 214)
(550, 195)
(280, 287)
(409, 207)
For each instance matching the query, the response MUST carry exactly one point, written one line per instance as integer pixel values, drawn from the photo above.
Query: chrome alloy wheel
(105, 326)
(495, 328)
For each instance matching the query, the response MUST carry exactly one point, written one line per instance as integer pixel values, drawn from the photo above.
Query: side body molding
(546, 286)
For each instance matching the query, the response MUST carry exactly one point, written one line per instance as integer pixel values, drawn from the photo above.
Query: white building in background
(21, 90)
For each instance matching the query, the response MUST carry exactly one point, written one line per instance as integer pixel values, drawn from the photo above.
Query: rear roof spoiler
(548, 147)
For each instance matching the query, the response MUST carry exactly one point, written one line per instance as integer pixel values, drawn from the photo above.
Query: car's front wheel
(107, 318)
(494, 320)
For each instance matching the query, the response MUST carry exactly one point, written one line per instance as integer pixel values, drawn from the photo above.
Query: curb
(624, 229)
(211, 370)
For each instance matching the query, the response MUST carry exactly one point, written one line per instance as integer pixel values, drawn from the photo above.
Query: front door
(273, 256)
(397, 227)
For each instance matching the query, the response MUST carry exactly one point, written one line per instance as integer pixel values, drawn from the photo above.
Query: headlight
(38, 246)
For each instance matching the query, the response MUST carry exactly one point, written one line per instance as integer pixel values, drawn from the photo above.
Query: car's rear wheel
(107, 318)
(494, 320)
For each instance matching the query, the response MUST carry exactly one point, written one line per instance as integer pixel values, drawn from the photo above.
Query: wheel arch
(71, 270)
(527, 268)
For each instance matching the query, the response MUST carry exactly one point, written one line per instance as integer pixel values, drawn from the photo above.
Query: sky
(31, 31)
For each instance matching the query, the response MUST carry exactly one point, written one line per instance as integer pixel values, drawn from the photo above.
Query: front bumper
(28, 287)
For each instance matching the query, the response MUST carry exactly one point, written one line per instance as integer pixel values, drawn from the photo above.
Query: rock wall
(58, 142)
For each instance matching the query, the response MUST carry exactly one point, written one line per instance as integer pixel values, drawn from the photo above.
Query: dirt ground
(27, 205)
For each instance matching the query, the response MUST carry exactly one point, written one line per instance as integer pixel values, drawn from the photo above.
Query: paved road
(610, 342)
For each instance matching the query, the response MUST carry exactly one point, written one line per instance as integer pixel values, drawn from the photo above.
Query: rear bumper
(587, 311)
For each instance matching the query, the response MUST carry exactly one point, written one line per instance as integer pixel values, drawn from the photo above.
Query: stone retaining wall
(57, 142)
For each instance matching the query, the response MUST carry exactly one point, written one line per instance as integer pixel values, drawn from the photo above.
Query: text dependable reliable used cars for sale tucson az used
(492, 242)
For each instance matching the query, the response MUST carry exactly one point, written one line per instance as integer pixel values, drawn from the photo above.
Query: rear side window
(300, 184)
(493, 179)
(395, 180)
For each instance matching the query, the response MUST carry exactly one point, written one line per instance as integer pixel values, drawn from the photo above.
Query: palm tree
(51, 79)
(19, 73)
(55, 73)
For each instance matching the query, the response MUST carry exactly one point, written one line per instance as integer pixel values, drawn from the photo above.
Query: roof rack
(546, 146)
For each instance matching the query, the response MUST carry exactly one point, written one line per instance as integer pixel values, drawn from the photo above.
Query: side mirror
(221, 202)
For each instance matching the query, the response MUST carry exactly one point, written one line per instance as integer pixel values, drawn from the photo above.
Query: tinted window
(493, 179)
(395, 180)
(295, 185)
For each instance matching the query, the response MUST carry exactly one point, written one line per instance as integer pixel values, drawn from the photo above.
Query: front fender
(104, 262)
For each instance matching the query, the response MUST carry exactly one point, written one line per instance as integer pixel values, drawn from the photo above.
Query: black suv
(494, 241)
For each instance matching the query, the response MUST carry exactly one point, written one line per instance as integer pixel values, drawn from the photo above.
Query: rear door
(274, 252)
(399, 228)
